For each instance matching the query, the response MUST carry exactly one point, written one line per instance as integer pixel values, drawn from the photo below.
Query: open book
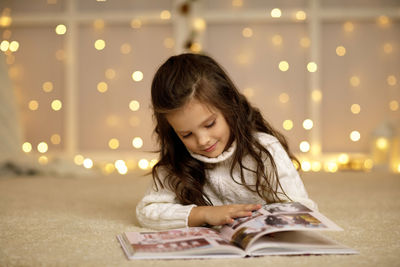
(275, 229)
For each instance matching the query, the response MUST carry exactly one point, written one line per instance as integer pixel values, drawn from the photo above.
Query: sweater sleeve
(288, 176)
(159, 210)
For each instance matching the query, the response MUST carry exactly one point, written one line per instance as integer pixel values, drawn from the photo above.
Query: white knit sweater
(160, 209)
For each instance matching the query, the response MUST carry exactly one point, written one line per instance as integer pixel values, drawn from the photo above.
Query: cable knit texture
(160, 209)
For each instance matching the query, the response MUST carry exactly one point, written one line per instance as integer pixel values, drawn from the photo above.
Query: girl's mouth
(211, 148)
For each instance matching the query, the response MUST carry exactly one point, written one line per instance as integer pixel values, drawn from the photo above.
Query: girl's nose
(203, 139)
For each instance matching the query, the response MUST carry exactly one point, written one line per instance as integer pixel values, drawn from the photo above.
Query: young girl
(219, 159)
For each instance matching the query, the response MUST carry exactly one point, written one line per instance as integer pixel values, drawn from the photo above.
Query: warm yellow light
(143, 164)
(5, 21)
(4, 45)
(308, 124)
(306, 166)
(109, 168)
(284, 98)
(165, 14)
(110, 74)
(276, 13)
(123, 170)
(121, 167)
(55, 139)
(137, 142)
(196, 47)
(283, 65)
(26, 147)
(99, 44)
(102, 87)
(199, 24)
(340, 50)
(131, 164)
(78, 159)
(355, 108)
(316, 149)
(113, 143)
(125, 48)
(277, 39)
(119, 163)
(348, 26)
(42, 147)
(56, 105)
(247, 32)
(248, 92)
(301, 15)
(61, 29)
(383, 21)
(137, 76)
(382, 143)
(355, 136)
(47, 87)
(394, 105)
(153, 162)
(388, 48)
(169, 42)
(98, 24)
(316, 95)
(134, 121)
(316, 166)
(331, 166)
(391, 80)
(237, 3)
(295, 164)
(43, 160)
(87, 163)
(354, 81)
(33, 105)
(312, 67)
(305, 42)
(136, 23)
(134, 105)
(368, 164)
(14, 45)
(288, 125)
(343, 158)
(304, 146)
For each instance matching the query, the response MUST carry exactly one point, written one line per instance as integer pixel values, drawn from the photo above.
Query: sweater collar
(222, 157)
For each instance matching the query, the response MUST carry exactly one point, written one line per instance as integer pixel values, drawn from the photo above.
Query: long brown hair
(187, 76)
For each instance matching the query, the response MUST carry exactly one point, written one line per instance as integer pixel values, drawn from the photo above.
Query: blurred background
(75, 76)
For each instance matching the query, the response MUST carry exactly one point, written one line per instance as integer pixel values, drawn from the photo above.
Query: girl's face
(202, 130)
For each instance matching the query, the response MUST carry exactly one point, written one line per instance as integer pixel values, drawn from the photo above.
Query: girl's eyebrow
(211, 117)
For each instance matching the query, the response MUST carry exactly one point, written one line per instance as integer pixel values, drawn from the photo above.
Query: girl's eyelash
(211, 124)
(186, 135)
(207, 126)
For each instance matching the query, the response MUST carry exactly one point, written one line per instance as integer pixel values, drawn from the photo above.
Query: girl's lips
(211, 148)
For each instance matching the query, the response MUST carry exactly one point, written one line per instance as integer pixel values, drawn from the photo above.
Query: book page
(185, 241)
(273, 218)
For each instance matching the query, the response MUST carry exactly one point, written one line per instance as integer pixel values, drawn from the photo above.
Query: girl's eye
(186, 135)
(211, 124)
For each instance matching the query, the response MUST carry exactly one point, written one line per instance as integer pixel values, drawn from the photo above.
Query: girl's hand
(220, 215)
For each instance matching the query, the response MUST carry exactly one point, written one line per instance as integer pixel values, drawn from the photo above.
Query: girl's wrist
(197, 216)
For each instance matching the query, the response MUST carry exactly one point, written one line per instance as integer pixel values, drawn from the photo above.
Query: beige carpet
(52, 221)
